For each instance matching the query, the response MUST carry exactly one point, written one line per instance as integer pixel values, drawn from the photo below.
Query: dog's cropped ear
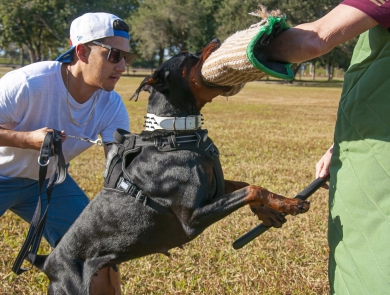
(209, 49)
(157, 81)
(150, 80)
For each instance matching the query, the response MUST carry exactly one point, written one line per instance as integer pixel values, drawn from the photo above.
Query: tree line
(39, 29)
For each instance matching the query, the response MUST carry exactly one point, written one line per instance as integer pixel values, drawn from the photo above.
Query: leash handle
(31, 244)
(261, 228)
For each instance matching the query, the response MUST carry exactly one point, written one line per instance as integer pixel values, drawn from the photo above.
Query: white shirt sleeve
(13, 99)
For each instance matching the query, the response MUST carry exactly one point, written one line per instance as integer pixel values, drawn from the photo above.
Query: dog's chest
(170, 173)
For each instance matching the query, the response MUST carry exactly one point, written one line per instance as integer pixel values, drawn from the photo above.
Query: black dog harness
(126, 146)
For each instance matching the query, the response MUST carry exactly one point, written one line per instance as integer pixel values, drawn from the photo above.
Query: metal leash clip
(96, 141)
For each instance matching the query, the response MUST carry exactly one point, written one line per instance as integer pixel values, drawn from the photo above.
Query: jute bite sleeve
(240, 59)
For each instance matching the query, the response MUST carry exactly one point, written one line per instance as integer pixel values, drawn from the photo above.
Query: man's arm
(24, 140)
(310, 40)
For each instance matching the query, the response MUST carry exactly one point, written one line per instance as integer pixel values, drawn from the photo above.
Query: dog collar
(153, 122)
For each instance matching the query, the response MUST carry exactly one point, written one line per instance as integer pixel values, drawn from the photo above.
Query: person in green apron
(359, 159)
(359, 220)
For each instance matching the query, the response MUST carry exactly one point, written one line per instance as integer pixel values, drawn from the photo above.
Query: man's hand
(24, 139)
(322, 166)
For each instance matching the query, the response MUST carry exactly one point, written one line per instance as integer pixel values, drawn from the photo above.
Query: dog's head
(177, 89)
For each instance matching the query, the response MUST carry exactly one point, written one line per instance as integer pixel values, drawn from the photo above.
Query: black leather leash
(31, 244)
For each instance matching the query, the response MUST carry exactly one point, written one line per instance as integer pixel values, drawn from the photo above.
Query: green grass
(269, 135)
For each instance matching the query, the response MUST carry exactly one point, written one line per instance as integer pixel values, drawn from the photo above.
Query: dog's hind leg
(70, 276)
(98, 277)
(106, 281)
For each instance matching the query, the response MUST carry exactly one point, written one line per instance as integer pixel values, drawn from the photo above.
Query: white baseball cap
(89, 27)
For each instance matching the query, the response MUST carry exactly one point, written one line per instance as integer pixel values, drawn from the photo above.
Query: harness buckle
(132, 190)
(140, 197)
(123, 185)
(172, 141)
(129, 188)
(214, 151)
(158, 142)
(202, 135)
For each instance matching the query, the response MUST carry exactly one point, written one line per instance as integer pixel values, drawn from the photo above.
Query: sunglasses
(115, 55)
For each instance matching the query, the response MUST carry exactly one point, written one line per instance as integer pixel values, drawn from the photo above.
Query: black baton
(261, 228)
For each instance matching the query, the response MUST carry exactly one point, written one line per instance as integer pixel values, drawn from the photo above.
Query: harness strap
(129, 188)
(128, 145)
(131, 141)
(31, 244)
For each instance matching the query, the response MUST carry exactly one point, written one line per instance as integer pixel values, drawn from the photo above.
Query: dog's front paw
(269, 216)
(287, 205)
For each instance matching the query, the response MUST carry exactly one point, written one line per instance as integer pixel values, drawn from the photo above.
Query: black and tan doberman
(163, 187)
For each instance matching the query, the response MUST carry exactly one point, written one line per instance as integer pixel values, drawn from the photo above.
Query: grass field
(270, 135)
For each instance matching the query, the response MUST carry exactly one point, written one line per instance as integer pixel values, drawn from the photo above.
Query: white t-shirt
(34, 97)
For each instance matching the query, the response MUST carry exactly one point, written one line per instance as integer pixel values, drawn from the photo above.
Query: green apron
(359, 201)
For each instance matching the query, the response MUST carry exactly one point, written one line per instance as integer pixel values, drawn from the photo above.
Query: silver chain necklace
(67, 101)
